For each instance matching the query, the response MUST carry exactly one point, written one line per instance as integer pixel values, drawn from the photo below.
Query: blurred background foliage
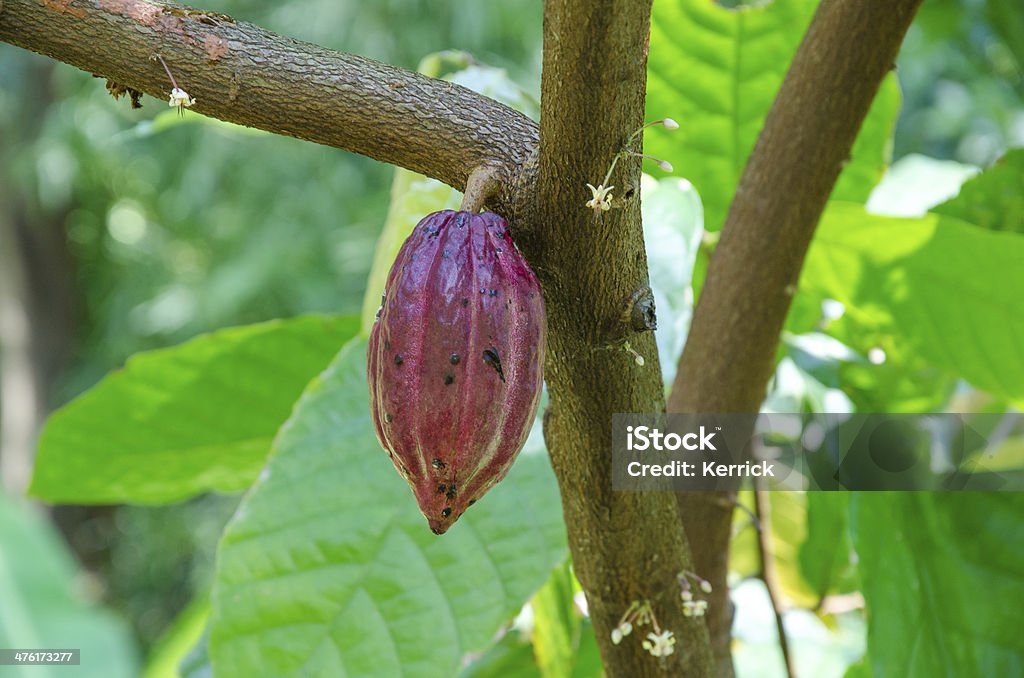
(124, 230)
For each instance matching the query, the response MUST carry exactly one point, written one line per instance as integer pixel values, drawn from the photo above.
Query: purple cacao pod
(456, 360)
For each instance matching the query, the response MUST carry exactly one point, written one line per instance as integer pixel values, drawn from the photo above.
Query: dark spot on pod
(492, 359)
(465, 301)
(449, 379)
(388, 418)
(454, 358)
(498, 250)
(444, 253)
(483, 290)
(387, 344)
(493, 293)
(437, 463)
(403, 268)
(442, 488)
(399, 359)
(405, 471)
(451, 492)
(446, 512)
(471, 502)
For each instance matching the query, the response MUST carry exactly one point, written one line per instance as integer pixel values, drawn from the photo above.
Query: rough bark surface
(244, 74)
(626, 546)
(806, 140)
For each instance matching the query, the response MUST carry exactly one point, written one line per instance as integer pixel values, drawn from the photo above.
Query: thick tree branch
(593, 269)
(244, 74)
(806, 140)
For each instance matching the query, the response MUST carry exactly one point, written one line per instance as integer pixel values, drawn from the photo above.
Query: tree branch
(806, 140)
(766, 550)
(593, 270)
(244, 74)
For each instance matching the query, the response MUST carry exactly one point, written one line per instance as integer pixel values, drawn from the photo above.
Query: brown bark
(592, 268)
(806, 140)
(244, 74)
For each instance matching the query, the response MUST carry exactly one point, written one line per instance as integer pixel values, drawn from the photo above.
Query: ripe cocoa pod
(456, 359)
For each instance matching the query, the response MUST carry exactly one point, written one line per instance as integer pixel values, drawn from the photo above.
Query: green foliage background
(178, 227)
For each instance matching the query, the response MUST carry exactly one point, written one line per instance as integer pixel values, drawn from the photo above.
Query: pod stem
(482, 183)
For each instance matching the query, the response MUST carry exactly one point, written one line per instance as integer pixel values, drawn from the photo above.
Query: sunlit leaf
(184, 420)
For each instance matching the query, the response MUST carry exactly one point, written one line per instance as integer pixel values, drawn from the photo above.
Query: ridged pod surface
(455, 360)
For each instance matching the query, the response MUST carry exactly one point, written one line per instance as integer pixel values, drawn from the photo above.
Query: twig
(481, 185)
(762, 507)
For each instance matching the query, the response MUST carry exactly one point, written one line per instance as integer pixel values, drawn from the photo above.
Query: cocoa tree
(626, 547)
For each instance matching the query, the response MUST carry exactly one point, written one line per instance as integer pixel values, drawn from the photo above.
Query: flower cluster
(693, 607)
(601, 197)
(660, 643)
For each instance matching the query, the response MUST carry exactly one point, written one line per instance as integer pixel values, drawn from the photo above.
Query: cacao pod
(455, 360)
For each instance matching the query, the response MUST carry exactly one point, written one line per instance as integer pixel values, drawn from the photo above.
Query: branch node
(482, 183)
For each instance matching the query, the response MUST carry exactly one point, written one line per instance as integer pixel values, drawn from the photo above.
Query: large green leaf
(994, 198)
(185, 420)
(40, 606)
(329, 569)
(934, 287)
(716, 71)
(942, 576)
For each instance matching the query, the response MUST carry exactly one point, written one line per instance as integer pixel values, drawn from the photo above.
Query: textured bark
(626, 546)
(244, 74)
(806, 140)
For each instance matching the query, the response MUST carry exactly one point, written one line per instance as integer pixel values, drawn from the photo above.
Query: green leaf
(787, 531)
(555, 625)
(184, 420)
(716, 72)
(329, 568)
(933, 287)
(414, 196)
(40, 606)
(825, 555)
(942, 574)
(993, 199)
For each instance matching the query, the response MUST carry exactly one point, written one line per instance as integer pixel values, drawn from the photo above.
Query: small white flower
(621, 631)
(669, 123)
(705, 586)
(665, 165)
(687, 595)
(660, 644)
(602, 198)
(180, 98)
(695, 608)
